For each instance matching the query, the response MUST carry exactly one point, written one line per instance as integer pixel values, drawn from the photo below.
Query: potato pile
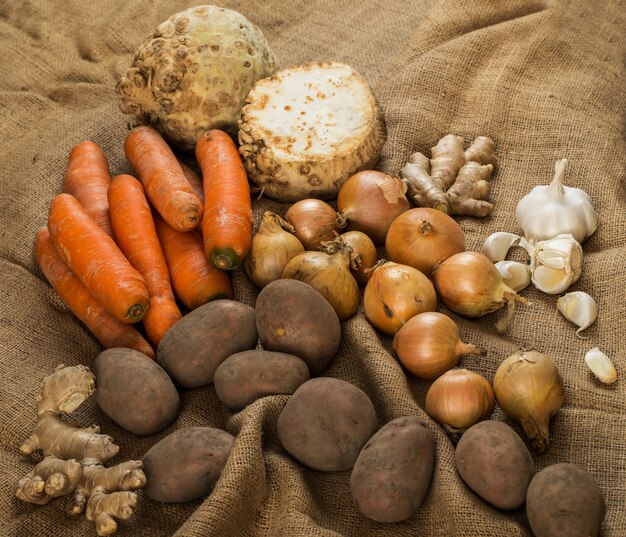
(327, 424)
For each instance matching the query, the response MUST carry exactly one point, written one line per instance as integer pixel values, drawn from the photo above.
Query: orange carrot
(161, 175)
(136, 236)
(194, 180)
(96, 260)
(195, 281)
(107, 329)
(227, 221)
(87, 178)
(196, 184)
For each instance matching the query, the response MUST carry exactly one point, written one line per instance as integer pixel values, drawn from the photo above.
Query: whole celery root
(74, 458)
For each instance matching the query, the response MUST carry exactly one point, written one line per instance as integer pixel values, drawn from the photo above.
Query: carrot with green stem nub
(136, 236)
(87, 178)
(195, 281)
(107, 329)
(97, 260)
(165, 183)
(227, 221)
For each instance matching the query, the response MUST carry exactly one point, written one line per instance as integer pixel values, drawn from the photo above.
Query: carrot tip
(136, 312)
(225, 259)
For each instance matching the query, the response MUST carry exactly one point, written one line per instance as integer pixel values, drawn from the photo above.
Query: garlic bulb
(516, 275)
(601, 366)
(555, 263)
(554, 209)
(579, 308)
(498, 244)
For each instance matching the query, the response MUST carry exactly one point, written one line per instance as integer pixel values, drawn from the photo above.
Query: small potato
(495, 463)
(134, 391)
(249, 375)
(294, 318)
(193, 348)
(564, 499)
(325, 424)
(393, 471)
(186, 464)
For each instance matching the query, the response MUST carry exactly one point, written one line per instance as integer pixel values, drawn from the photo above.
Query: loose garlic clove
(498, 244)
(601, 366)
(516, 275)
(555, 263)
(579, 308)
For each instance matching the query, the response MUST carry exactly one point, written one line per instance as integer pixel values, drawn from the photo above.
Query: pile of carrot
(127, 253)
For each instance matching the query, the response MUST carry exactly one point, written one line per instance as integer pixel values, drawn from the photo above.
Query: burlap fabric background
(545, 79)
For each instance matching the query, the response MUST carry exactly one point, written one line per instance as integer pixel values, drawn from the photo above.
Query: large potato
(325, 424)
(393, 470)
(134, 391)
(249, 375)
(186, 464)
(294, 318)
(564, 499)
(193, 348)
(495, 463)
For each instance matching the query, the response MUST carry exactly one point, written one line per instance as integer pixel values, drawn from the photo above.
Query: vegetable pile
(144, 262)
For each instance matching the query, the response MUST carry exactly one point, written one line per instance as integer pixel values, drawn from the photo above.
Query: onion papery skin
(429, 344)
(394, 294)
(458, 399)
(369, 201)
(330, 276)
(529, 389)
(470, 285)
(366, 254)
(314, 221)
(422, 238)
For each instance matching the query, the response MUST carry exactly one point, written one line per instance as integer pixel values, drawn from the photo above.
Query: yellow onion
(314, 221)
(470, 285)
(429, 344)
(394, 294)
(330, 275)
(365, 252)
(273, 246)
(369, 201)
(529, 389)
(423, 237)
(458, 399)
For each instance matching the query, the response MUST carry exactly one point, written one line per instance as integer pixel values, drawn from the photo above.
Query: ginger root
(74, 457)
(452, 181)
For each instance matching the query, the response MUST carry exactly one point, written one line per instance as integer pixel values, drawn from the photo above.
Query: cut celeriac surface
(306, 129)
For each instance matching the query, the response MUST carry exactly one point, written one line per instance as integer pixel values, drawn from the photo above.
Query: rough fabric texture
(544, 79)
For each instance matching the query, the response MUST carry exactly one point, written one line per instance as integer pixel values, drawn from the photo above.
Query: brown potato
(294, 318)
(495, 463)
(393, 471)
(249, 375)
(186, 464)
(193, 348)
(134, 391)
(325, 424)
(564, 499)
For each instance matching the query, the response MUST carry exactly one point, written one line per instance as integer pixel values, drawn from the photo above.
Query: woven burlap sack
(544, 79)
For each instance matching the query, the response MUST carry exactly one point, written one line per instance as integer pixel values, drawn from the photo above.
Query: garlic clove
(601, 366)
(498, 244)
(516, 275)
(579, 308)
(551, 281)
(554, 263)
